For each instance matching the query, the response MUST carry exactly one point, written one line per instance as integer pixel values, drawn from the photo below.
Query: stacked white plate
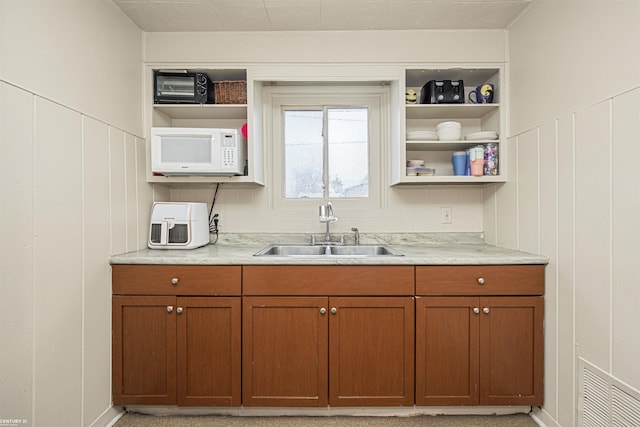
(422, 135)
(485, 135)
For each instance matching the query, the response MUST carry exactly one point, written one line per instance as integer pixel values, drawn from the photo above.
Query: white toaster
(178, 225)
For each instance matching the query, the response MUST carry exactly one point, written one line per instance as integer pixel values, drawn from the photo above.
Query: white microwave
(196, 151)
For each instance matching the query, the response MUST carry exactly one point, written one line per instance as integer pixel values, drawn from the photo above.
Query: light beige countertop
(417, 249)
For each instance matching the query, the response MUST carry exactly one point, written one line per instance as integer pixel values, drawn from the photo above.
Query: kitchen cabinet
(285, 351)
(473, 117)
(171, 343)
(330, 335)
(329, 346)
(476, 347)
(216, 115)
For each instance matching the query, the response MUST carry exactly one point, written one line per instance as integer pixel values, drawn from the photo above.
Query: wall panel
(593, 233)
(131, 192)
(548, 209)
(16, 252)
(118, 188)
(96, 269)
(626, 239)
(57, 260)
(528, 192)
(565, 328)
(507, 201)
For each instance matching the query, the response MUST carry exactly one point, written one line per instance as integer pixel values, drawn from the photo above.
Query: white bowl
(448, 125)
(449, 134)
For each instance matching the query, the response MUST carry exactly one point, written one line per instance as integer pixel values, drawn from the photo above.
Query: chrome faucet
(357, 236)
(326, 216)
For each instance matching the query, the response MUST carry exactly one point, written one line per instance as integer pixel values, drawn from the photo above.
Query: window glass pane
(303, 152)
(348, 152)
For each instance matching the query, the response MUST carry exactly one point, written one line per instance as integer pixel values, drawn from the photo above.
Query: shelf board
(203, 111)
(186, 181)
(449, 111)
(449, 179)
(446, 145)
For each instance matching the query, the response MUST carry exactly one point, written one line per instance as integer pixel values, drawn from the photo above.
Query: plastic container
(459, 161)
(476, 160)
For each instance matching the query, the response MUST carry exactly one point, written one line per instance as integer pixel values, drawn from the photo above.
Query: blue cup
(459, 161)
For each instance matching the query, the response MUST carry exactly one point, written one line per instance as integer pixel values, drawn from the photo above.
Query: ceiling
(320, 15)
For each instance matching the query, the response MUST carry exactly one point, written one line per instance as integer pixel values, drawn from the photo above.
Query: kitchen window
(326, 152)
(326, 144)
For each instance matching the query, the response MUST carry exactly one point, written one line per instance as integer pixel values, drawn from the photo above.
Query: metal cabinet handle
(485, 310)
(323, 310)
(169, 308)
(174, 281)
(476, 310)
(334, 310)
(179, 310)
(480, 280)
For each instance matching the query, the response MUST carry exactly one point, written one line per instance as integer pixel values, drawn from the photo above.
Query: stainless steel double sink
(328, 250)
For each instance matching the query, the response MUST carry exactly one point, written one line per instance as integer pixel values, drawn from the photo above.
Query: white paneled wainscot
(574, 197)
(72, 195)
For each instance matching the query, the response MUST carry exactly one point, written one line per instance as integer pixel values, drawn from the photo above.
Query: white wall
(316, 55)
(72, 192)
(572, 192)
(76, 52)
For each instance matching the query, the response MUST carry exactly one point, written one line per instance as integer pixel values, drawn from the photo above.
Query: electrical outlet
(446, 215)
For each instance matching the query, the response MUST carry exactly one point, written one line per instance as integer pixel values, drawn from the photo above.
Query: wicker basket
(230, 91)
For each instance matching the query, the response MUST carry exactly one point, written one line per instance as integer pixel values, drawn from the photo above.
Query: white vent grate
(625, 409)
(595, 400)
(604, 400)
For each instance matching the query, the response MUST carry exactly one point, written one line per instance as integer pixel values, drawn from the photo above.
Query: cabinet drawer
(480, 280)
(176, 280)
(328, 280)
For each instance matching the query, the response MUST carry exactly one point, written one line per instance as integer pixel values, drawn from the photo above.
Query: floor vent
(605, 401)
(625, 409)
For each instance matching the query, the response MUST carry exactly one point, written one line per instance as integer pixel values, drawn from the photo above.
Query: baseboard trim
(109, 417)
(542, 418)
(326, 411)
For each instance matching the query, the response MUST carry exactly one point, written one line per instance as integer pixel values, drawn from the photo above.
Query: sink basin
(344, 251)
(372, 250)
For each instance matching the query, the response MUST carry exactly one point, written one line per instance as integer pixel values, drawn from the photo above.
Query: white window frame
(373, 96)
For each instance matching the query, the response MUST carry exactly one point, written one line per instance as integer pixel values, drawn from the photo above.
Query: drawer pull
(174, 281)
(169, 309)
(334, 310)
(323, 310)
(179, 310)
(480, 280)
(476, 310)
(485, 310)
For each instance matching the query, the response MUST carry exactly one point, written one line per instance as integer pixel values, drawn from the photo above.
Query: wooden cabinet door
(285, 351)
(208, 351)
(144, 350)
(447, 352)
(371, 351)
(512, 351)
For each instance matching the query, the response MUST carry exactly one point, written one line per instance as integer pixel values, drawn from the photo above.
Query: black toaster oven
(182, 87)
